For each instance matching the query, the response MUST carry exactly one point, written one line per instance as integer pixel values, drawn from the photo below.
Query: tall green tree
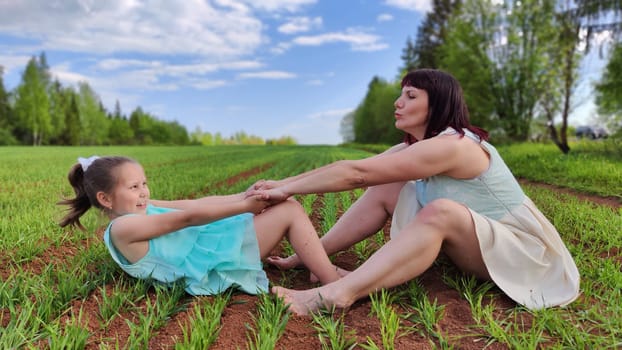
(464, 55)
(59, 106)
(431, 35)
(346, 127)
(505, 47)
(609, 90)
(71, 135)
(93, 118)
(4, 101)
(6, 115)
(373, 118)
(409, 57)
(120, 131)
(577, 23)
(32, 104)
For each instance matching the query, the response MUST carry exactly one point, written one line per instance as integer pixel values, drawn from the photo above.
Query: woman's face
(411, 111)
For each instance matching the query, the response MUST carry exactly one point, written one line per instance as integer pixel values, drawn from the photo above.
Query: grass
(45, 270)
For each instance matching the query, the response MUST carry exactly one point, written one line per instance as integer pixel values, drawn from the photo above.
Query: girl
(213, 242)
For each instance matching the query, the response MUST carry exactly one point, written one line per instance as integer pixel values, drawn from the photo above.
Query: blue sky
(267, 67)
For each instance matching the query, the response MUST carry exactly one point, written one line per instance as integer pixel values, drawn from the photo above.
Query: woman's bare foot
(283, 263)
(342, 273)
(304, 302)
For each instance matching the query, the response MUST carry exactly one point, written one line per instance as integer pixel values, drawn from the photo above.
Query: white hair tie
(86, 162)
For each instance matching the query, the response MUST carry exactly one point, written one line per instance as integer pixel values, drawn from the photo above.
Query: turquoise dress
(211, 258)
(523, 252)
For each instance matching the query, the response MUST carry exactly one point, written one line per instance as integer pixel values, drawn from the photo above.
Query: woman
(447, 190)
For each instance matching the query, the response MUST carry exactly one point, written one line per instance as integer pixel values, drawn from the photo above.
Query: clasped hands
(270, 191)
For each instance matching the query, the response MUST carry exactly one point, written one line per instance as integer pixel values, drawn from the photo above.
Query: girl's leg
(442, 224)
(289, 219)
(364, 218)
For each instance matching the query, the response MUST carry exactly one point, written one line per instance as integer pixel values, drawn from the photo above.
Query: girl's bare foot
(283, 263)
(303, 302)
(342, 273)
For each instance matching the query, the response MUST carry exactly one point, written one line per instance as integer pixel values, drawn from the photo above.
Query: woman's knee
(441, 213)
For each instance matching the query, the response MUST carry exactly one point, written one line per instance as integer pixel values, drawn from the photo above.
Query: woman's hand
(260, 185)
(273, 196)
(256, 203)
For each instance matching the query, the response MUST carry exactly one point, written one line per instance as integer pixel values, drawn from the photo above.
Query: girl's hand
(256, 203)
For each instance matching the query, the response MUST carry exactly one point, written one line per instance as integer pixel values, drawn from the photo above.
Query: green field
(59, 288)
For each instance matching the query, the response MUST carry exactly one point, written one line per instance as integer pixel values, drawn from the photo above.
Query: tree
(346, 127)
(499, 55)
(609, 90)
(6, 127)
(119, 131)
(373, 118)
(409, 57)
(59, 106)
(5, 108)
(430, 36)
(32, 104)
(92, 117)
(463, 54)
(577, 24)
(71, 136)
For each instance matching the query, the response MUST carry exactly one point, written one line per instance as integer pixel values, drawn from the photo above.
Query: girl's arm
(138, 228)
(190, 203)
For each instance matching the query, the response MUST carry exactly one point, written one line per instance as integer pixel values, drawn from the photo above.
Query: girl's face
(411, 111)
(131, 193)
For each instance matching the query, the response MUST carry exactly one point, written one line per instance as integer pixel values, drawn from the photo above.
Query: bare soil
(456, 325)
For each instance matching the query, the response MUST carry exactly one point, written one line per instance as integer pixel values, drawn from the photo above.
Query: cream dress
(523, 252)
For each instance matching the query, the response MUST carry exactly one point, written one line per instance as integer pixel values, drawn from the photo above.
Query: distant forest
(41, 111)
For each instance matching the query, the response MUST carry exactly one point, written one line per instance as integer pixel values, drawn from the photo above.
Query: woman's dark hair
(99, 176)
(446, 104)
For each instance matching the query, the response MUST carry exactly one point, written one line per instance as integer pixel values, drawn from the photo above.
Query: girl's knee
(291, 208)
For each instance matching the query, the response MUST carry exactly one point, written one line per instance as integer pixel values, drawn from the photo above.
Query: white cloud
(280, 5)
(358, 40)
(330, 115)
(267, 75)
(384, 17)
(300, 24)
(151, 26)
(280, 48)
(9, 63)
(411, 5)
(206, 84)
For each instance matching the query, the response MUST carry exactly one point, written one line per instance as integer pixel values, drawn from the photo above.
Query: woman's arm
(446, 154)
(276, 183)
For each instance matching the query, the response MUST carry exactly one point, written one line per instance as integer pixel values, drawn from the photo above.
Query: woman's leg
(289, 219)
(442, 224)
(364, 218)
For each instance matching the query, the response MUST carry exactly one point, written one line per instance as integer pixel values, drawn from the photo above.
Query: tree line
(41, 111)
(517, 61)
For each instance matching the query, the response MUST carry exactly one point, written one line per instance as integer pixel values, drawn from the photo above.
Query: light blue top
(493, 194)
(210, 257)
